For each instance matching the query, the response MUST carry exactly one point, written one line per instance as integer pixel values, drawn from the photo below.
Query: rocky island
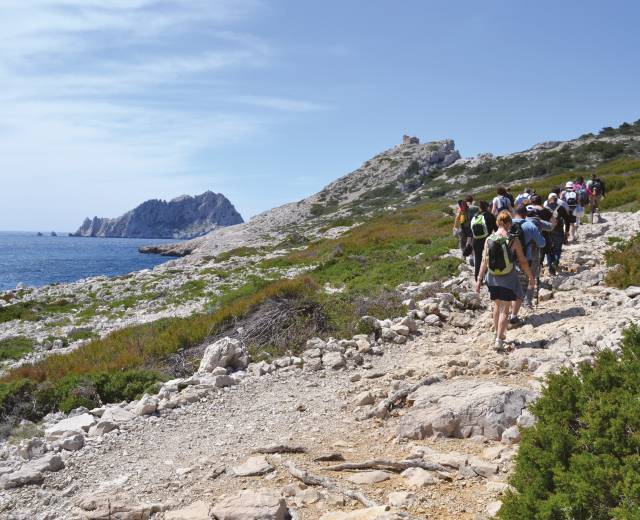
(181, 218)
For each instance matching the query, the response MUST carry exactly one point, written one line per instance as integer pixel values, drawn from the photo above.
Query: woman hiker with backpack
(501, 276)
(501, 202)
(462, 227)
(482, 225)
(559, 233)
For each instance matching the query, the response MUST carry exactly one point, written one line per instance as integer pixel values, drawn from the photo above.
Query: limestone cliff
(183, 217)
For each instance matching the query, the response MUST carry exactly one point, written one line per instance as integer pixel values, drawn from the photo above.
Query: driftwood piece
(330, 457)
(388, 465)
(314, 480)
(279, 448)
(383, 408)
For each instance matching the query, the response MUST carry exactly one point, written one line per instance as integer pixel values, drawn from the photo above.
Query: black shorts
(501, 293)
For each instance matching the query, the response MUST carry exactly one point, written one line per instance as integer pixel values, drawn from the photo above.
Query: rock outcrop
(183, 217)
(391, 175)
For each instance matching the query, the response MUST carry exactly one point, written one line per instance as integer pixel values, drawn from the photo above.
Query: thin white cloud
(98, 102)
(277, 103)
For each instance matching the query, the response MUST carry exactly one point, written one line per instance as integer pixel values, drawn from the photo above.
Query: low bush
(147, 345)
(27, 399)
(625, 260)
(15, 347)
(34, 311)
(238, 251)
(77, 335)
(582, 458)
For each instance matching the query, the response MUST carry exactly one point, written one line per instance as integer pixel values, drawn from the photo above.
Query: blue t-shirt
(531, 235)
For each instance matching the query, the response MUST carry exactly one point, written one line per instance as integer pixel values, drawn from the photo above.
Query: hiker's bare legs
(515, 307)
(504, 320)
(500, 318)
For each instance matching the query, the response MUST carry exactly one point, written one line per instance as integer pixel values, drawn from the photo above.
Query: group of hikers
(509, 239)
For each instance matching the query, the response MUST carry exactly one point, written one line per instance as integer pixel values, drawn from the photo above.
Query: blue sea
(40, 260)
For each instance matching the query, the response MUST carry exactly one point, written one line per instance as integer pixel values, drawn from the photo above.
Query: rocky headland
(184, 217)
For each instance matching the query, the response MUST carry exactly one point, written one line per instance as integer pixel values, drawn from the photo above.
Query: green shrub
(24, 398)
(15, 347)
(33, 311)
(81, 334)
(127, 385)
(238, 251)
(582, 458)
(625, 260)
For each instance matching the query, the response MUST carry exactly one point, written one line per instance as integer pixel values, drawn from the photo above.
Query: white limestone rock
(333, 360)
(463, 408)
(103, 427)
(146, 405)
(117, 415)
(250, 505)
(364, 399)
(252, 467)
(369, 477)
(418, 477)
(72, 442)
(20, 478)
(511, 435)
(32, 448)
(369, 513)
(197, 511)
(402, 499)
(79, 423)
(226, 353)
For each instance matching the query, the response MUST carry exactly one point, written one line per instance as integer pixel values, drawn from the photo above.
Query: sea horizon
(35, 261)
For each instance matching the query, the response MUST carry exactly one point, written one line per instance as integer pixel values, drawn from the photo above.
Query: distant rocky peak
(181, 217)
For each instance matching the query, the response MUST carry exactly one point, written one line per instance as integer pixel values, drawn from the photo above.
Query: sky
(107, 103)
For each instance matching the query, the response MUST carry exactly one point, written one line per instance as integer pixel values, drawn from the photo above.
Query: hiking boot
(515, 321)
(498, 346)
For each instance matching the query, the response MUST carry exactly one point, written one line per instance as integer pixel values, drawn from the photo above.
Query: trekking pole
(538, 290)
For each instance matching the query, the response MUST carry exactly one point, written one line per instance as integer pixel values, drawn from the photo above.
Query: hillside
(412, 173)
(402, 168)
(350, 332)
(182, 217)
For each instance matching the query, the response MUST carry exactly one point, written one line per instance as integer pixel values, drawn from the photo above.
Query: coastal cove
(40, 260)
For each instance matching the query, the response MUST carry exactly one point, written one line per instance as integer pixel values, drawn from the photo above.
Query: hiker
(596, 188)
(501, 202)
(570, 197)
(462, 228)
(473, 207)
(501, 276)
(526, 231)
(482, 225)
(510, 197)
(559, 233)
(524, 199)
(580, 187)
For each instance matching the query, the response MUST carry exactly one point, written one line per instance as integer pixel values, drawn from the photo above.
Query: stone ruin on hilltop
(407, 139)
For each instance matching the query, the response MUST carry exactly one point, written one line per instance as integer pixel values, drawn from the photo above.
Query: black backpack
(516, 233)
(596, 187)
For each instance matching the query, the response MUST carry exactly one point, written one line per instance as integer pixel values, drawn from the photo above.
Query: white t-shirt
(501, 202)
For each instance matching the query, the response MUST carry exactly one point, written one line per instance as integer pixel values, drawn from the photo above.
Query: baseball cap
(552, 196)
